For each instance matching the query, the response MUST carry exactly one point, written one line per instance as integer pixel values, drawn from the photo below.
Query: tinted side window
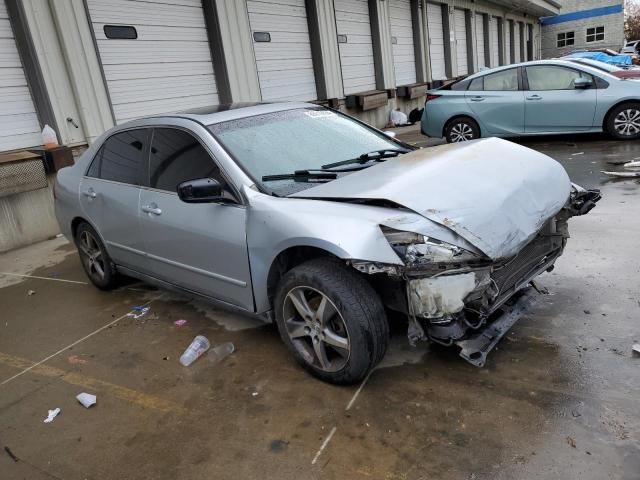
(176, 156)
(553, 78)
(505, 80)
(477, 84)
(122, 157)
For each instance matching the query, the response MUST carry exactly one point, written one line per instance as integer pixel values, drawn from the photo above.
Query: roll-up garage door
(19, 125)
(507, 42)
(495, 42)
(480, 47)
(356, 45)
(460, 24)
(404, 60)
(167, 68)
(436, 42)
(283, 49)
(516, 42)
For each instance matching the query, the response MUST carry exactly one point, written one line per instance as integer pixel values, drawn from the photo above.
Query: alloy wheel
(627, 122)
(461, 132)
(91, 255)
(316, 328)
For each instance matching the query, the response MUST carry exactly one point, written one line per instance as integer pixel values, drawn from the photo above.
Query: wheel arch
(605, 119)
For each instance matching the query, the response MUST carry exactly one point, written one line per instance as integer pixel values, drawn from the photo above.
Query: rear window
(122, 157)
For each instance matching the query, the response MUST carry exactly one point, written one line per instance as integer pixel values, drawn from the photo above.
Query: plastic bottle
(219, 353)
(198, 346)
(49, 137)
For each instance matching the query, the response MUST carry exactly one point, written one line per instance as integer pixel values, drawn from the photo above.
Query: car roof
(221, 113)
(566, 63)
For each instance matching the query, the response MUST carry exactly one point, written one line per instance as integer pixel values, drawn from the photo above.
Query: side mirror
(389, 133)
(582, 83)
(201, 190)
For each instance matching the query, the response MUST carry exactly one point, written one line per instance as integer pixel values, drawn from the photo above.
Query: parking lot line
(355, 395)
(324, 445)
(4, 382)
(42, 278)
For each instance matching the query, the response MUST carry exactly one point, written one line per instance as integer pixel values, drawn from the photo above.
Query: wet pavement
(557, 399)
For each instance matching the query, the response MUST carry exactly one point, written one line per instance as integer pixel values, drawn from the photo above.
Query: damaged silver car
(304, 216)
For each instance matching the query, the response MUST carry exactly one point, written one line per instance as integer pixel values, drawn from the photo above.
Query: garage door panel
(160, 70)
(156, 33)
(298, 92)
(138, 13)
(130, 111)
(480, 40)
(436, 42)
(291, 9)
(460, 25)
(290, 65)
(278, 23)
(19, 124)
(138, 90)
(403, 48)
(352, 29)
(352, 6)
(265, 51)
(121, 51)
(495, 42)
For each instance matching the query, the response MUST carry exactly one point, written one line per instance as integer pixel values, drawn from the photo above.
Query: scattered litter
(219, 353)
(636, 349)
(31, 292)
(75, 360)
(254, 394)
(138, 312)
(198, 346)
(571, 442)
(631, 164)
(11, 454)
(86, 399)
(577, 153)
(621, 174)
(52, 414)
(575, 413)
(180, 322)
(165, 358)
(587, 312)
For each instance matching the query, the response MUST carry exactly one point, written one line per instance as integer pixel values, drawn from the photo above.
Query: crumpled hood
(493, 193)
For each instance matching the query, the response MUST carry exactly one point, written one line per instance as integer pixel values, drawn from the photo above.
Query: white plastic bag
(398, 117)
(49, 137)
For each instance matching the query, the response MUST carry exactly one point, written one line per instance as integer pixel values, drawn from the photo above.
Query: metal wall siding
(167, 68)
(356, 56)
(460, 26)
(480, 47)
(19, 125)
(436, 42)
(404, 60)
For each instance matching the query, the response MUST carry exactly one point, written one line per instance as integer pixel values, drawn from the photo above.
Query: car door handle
(477, 99)
(152, 209)
(90, 193)
(534, 97)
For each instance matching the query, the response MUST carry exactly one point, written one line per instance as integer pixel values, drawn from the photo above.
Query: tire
(94, 258)
(461, 130)
(354, 318)
(623, 122)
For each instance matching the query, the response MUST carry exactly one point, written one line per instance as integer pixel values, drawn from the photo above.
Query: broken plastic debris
(631, 164)
(636, 348)
(577, 153)
(254, 394)
(138, 312)
(198, 346)
(52, 414)
(86, 399)
(31, 292)
(621, 174)
(75, 359)
(180, 322)
(219, 353)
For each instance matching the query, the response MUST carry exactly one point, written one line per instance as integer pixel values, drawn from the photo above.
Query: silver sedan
(302, 215)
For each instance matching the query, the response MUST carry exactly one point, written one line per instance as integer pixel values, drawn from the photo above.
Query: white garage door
(495, 42)
(516, 41)
(480, 47)
(460, 24)
(436, 42)
(167, 68)
(282, 48)
(404, 60)
(355, 44)
(507, 43)
(19, 125)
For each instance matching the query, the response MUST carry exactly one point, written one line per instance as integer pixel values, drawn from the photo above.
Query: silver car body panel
(520, 189)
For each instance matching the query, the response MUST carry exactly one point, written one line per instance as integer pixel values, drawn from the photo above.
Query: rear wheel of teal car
(332, 320)
(461, 129)
(623, 122)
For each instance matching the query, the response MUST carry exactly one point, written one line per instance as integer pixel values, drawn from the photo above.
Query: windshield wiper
(302, 176)
(376, 155)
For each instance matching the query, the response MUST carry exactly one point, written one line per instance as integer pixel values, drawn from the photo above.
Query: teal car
(543, 97)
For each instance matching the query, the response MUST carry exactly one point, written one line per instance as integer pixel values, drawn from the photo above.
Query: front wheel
(331, 320)
(623, 122)
(461, 130)
(94, 257)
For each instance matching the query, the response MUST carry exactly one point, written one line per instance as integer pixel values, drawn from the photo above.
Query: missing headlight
(416, 249)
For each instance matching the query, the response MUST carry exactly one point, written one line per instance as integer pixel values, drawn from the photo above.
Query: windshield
(299, 139)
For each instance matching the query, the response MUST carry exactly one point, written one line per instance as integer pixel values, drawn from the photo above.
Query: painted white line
(43, 278)
(324, 445)
(72, 344)
(355, 395)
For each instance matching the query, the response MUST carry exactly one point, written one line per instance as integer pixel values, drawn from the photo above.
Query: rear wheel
(623, 122)
(461, 130)
(332, 320)
(94, 257)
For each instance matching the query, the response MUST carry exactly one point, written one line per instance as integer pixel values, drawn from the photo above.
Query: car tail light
(431, 97)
